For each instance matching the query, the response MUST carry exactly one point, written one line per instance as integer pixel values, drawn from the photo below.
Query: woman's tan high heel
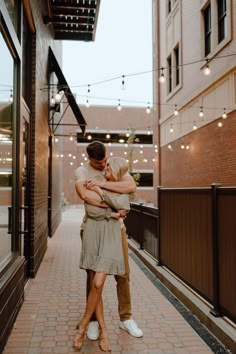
(104, 343)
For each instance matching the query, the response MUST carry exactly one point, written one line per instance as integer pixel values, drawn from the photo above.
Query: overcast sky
(123, 46)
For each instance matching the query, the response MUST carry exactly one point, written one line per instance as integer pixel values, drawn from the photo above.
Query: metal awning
(63, 85)
(73, 19)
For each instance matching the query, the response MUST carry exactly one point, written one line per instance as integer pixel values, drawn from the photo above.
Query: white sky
(122, 46)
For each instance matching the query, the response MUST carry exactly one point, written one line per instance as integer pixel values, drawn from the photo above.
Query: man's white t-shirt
(86, 171)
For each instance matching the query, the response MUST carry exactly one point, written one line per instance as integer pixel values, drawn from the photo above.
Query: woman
(102, 252)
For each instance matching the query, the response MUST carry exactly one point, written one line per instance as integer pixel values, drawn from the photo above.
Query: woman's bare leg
(97, 283)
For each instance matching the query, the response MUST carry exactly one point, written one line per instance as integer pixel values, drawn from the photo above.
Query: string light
(88, 89)
(119, 108)
(224, 115)
(53, 101)
(207, 70)
(182, 146)
(201, 114)
(89, 137)
(176, 112)
(148, 110)
(171, 129)
(194, 125)
(220, 124)
(169, 147)
(123, 87)
(58, 96)
(162, 78)
(148, 131)
(71, 138)
(87, 103)
(108, 136)
(11, 97)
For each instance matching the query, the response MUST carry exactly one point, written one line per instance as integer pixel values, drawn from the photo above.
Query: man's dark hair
(96, 150)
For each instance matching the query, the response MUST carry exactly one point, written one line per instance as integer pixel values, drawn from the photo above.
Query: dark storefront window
(6, 109)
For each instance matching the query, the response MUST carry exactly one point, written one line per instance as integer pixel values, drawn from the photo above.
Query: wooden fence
(193, 233)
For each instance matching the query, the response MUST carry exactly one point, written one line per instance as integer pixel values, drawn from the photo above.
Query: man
(86, 175)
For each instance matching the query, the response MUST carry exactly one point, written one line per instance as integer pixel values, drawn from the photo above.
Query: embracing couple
(105, 186)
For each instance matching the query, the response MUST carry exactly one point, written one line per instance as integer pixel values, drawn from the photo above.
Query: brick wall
(39, 144)
(210, 159)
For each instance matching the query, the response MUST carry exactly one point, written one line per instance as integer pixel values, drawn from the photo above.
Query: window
(176, 56)
(222, 20)
(169, 6)
(6, 134)
(169, 70)
(207, 29)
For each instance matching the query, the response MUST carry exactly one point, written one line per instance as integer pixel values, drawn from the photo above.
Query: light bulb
(87, 103)
(201, 114)
(220, 124)
(71, 138)
(11, 98)
(182, 146)
(148, 110)
(176, 112)
(162, 78)
(224, 115)
(194, 126)
(58, 96)
(108, 136)
(171, 129)
(53, 101)
(123, 87)
(119, 108)
(207, 70)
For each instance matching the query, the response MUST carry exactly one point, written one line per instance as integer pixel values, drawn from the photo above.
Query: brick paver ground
(55, 301)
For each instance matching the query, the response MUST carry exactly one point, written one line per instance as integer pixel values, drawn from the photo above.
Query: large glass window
(222, 20)
(207, 29)
(6, 104)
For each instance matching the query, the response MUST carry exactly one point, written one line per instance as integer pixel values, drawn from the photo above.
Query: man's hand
(90, 183)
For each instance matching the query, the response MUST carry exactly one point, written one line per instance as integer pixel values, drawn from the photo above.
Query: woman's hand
(90, 183)
(123, 213)
(115, 215)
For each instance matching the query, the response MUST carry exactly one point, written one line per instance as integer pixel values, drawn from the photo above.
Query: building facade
(195, 91)
(30, 170)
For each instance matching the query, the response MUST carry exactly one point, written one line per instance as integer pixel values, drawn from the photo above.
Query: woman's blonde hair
(119, 167)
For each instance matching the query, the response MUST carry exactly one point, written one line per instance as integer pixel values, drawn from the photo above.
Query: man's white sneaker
(131, 327)
(93, 330)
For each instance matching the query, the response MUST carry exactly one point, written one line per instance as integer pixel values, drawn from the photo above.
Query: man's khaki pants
(122, 284)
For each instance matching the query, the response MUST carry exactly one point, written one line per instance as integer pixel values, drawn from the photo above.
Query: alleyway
(55, 301)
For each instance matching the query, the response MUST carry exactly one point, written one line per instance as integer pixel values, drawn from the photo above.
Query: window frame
(207, 29)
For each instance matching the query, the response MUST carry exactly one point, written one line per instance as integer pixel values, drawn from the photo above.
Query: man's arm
(126, 185)
(89, 196)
